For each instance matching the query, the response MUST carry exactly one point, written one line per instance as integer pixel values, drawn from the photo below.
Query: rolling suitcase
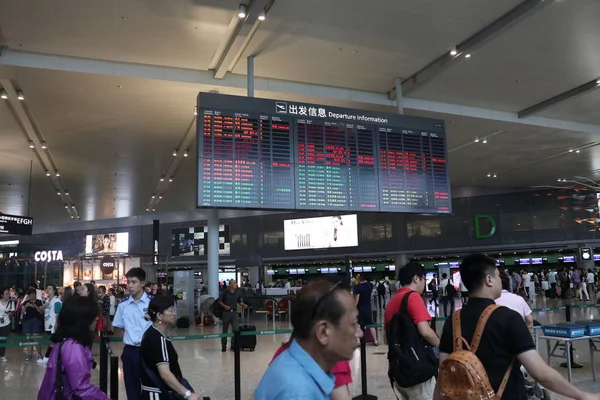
(247, 342)
(551, 293)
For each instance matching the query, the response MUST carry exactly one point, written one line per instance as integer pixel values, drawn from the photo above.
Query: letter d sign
(492, 227)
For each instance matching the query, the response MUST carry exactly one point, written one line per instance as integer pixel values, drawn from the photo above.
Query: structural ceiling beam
(272, 87)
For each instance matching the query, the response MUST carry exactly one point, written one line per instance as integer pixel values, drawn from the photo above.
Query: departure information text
(258, 153)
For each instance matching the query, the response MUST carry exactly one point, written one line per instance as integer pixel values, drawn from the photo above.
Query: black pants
(131, 372)
(447, 301)
(381, 300)
(4, 331)
(229, 318)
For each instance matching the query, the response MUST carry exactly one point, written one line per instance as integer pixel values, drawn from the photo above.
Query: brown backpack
(462, 375)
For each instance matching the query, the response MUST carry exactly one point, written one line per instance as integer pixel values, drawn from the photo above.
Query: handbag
(58, 382)
(161, 385)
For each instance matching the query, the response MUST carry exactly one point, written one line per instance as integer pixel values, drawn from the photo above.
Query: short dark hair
(505, 281)
(76, 284)
(444, 275)
(53, 288)
(75, 318)
(159, 304)
(408, 272)
(136, 273)
(316, 301)
(474, 268)
(102, 288)
(67, 293)
(31, 291)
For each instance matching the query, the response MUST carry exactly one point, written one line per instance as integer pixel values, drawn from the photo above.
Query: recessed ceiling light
(58, 192)
(31, 144)
(147, 209)
(262, 16)
(559, 180)
(453, 52)
(476, 140)
(577, 151)
(171, 179)
(489, 175)
(241, 11)
(195, 110)
(154, 209)
(570, 150)
(72, 217)
(44, 146)
(174, 152)
(3, 94)
(153, 195)
(162, 178)
(66, 192)
(495, 176)
(47, 173)
(66, 206)
(160, 196)
(20, 95)
(185, 153)
(57, 173)
(467, 56)
(484, 141)
(598, 81)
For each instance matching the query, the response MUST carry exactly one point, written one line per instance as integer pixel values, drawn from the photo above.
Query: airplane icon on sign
(281, 107)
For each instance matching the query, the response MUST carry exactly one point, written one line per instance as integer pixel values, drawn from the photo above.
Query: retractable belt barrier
(109, 362)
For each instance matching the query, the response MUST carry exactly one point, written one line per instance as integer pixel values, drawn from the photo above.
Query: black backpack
(216, 309)
(381, 289)
(450, 289)
(412, 361)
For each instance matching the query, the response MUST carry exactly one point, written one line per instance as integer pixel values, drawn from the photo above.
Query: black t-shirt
(157, 349)
(505, 336)
(31, 312)
(230, 299)
(365, 290)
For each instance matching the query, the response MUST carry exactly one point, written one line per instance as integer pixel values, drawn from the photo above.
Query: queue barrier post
(363, 370)
(104, 364)
(237, 365)
(114, 377)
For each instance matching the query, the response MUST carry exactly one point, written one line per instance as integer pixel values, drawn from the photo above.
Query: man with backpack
(483, 345)
(381, 294)
(411, 341)
(448, 294)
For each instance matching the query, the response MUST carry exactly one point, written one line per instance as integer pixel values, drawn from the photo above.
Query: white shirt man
(443, 285)
(591, 279)
(518, 304)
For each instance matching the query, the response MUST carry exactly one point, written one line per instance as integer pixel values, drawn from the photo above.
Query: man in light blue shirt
(326, 331)
(131, 316)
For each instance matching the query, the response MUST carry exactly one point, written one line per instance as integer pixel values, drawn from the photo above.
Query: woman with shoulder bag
(160, 373)
(69, 368)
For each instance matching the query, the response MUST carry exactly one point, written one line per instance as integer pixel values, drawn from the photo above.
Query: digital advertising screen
(107, 243)
(268, 154)
(192, 241)
(321, 232)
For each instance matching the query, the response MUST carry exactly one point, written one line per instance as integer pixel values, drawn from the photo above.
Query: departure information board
(269, 154)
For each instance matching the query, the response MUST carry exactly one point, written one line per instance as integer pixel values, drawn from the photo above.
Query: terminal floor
(211, 371)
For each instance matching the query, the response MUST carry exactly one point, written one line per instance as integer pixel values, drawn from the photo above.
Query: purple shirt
(77, 363)
(576, 278)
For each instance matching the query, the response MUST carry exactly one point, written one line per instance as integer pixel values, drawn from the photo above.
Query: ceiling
(111, 86)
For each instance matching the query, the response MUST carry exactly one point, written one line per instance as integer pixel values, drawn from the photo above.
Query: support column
(399, 102)
(250, 74)
(212, 252)
(400, 261)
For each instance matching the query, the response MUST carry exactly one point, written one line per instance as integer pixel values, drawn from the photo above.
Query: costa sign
(107, 265)
(50, 255)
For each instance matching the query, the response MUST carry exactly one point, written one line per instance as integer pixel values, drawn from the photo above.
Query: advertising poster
(107, 243)
(321, 232)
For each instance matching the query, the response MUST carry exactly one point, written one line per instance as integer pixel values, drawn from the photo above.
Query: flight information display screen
(269, 154)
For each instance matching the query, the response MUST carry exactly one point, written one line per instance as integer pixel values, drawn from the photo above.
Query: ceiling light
(66, 206)
(453, 52)
(20, 95)
(262, 16)
(174, 152)
(57, 174)
(153, 195)
(162, 178)
(559, 180)
(47, 173)
(171, 179)
(570, 150)
(72, 217)
(598, 82)
(3, 94)
(160, 197)
(44, 146)
(484, 141)
(489, 175)
(241, 11)
(31, 144)
(58, 192)
(476, 140)
(195, 110)
(66, 192)
(147, 209)
(495, 176)
(185, 153)
(154, 209)
(467, 56)
(577, 151)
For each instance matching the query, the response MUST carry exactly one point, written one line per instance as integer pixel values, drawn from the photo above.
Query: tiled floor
(211, 371)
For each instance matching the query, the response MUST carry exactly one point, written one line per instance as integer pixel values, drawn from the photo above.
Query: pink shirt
(514, 302)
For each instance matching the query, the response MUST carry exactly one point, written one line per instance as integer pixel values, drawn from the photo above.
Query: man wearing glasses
(326, 331)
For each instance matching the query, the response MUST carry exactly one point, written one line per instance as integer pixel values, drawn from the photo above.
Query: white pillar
(212, 252)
